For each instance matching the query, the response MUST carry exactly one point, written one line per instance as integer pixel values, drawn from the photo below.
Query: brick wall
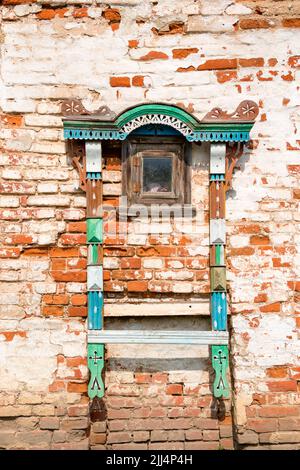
(121, 54)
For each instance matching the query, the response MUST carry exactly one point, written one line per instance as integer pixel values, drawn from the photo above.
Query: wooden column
(94, 192)
(217, 240)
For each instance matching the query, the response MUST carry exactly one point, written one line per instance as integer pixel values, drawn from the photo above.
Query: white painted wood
(217, 232)
(95, 278)
(157, 337)
(217, 158)
(156, 309)
(93, 154)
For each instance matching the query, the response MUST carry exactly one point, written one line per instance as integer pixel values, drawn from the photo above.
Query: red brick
(279, 411)
(183, 53)
(137, 286)
(112, 15)
(59, 299)
(119, 81)
(53, 311)
(253, 62)
(73, 239)
(142, 378)
(174, 389)
(80, 12)
(259, 240)
(277, 372)
(254, 23)
(133, 43)
(131, 263)
(154, 55)
(244, 251)
(74, 387)
(64, 252)
(75, 361)
(262, 425)
(12, 120)
(261, 298)
(294, 61)
(20, 239)
(77, 311)
(291, 22)
(49, 13)
(226, 76)
(138, 80)
(10, 252)
(283, 386)
(69, 276)
(275, 307)
(191, 68)
(218, 64)
(76, 227)
(57, 386)
(79, 299)
(9, 335)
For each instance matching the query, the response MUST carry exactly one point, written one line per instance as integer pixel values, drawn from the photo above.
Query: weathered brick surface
(150, 52)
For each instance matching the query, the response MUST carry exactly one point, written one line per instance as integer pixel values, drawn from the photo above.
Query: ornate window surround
(218, 127)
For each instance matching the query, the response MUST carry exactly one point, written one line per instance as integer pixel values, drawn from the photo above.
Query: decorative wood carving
(233, 153)
(95, 278)
(220, 364)
(95, 365)
(76, 151)
(246, 111)
(74, 107)
(217, 279)
(217, 231)
(94, 230)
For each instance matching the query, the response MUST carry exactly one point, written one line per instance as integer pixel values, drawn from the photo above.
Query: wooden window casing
(134, 153)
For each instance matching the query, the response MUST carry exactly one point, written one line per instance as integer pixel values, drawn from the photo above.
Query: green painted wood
(199, 127)
(96, 365)
(218, 254)
(218, 279)
(95, 254)
(220, 364)
(94, 230)
(150, 108)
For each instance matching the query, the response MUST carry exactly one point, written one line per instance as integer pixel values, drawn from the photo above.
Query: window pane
(157, 175)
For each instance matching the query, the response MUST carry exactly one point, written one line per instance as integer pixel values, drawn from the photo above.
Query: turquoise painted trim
(213, 136)
(95, 310)
(217, 177)
(93, 175)
(218, 136)
(89, 134)
(219, 311)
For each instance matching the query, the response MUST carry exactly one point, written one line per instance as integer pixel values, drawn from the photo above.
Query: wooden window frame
(134, 150)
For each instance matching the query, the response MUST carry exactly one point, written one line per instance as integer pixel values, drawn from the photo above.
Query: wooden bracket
(220, 364)
(233, 153)
(96, 365)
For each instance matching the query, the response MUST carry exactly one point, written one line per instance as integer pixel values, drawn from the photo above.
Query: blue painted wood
(93, 175)
(214, 177)
(153, 129)
(95, 310)
(219, 311)
(210, 136)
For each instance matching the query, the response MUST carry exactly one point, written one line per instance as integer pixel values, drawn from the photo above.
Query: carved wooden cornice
(103, 124)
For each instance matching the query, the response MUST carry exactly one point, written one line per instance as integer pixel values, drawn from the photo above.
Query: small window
(155, 171)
